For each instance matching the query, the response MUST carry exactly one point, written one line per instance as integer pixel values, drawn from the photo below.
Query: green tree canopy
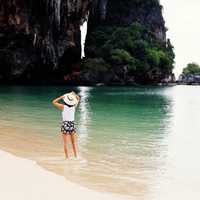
(191, 69)
(134, 48)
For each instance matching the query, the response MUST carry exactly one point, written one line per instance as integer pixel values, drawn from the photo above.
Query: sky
(182, 20)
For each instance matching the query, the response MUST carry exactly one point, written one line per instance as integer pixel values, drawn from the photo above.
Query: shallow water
(141, 142)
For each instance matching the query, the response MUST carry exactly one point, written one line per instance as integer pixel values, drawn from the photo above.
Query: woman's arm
(56, 103)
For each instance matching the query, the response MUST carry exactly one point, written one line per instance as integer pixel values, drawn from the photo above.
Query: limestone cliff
(125, 12)
(127, 38)
(39, 40)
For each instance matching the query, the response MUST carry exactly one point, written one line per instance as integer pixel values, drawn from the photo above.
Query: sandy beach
(23, 179)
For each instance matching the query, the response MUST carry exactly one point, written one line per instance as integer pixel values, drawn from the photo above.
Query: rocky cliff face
(40, 40)
(127, 38)
(126, 12)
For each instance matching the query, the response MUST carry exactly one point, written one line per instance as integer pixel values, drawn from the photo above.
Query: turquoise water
(132, 140)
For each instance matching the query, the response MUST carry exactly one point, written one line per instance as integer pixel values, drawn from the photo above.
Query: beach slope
(23, 179)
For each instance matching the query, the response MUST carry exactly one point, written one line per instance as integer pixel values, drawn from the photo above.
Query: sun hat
(70, 99)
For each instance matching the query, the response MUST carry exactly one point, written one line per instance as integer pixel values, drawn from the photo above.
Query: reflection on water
(137, 141)
(84, 121)
(181, 178)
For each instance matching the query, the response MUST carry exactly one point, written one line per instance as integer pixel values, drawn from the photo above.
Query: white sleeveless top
(68, 113)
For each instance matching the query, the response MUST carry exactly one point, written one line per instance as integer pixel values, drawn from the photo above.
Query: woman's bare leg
(65, 141)
(74, 143)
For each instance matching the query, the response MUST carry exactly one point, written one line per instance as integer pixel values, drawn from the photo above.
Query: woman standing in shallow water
(68, 130)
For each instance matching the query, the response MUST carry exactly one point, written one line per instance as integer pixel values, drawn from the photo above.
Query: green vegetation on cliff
(190, 75)
(130, 54)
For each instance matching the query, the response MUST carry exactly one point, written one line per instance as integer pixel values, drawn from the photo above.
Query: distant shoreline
(86, 85)
(95, 85)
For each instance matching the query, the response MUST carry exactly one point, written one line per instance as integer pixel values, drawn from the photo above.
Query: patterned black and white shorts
(68, 127)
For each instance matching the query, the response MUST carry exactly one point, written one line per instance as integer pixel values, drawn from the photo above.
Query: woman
(68, 130)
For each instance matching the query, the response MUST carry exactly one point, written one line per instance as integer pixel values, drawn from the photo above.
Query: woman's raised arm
(56, 103)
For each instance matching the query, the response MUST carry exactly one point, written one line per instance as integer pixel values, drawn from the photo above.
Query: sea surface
(143, 142)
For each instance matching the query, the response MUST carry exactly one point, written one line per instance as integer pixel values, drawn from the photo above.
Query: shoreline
(99, 84)
(23, 179)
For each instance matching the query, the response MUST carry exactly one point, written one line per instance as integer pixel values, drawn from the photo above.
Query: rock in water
(126, 43)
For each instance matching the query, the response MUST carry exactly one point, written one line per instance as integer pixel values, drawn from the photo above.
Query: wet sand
(23, 179)
(48, 153)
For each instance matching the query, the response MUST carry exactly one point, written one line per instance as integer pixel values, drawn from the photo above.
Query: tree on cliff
(133, 51)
